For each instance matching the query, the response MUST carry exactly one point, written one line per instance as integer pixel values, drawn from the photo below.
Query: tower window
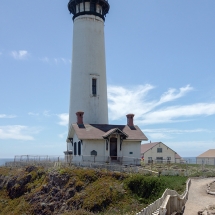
(93, 7)
(94, 90)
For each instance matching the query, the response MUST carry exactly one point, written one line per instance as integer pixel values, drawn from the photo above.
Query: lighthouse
(88, 92)
(90, 137)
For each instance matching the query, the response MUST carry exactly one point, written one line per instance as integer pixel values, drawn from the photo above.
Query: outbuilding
(158, 152)
(207, 157)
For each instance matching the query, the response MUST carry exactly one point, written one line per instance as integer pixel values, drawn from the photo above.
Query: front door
(113, 148)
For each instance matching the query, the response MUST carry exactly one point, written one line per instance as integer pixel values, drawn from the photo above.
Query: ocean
(3, 160)
(190, 160)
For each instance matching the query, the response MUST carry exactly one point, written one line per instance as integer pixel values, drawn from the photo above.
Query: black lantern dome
(92, 7)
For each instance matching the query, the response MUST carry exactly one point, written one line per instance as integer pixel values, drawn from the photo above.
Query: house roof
(208, 154)
(100, 131)
(177, 156)
(147, 146)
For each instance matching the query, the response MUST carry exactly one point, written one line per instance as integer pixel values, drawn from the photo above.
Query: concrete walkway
(198, 198)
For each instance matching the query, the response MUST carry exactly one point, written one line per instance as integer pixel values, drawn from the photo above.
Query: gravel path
(198, 198)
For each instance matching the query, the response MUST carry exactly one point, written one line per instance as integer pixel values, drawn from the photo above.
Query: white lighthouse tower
(90, 137)
(88, 78)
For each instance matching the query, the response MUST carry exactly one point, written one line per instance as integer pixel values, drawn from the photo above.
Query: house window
(106, 145)
(168, 159)
(149, 159)
(94, 86)
(159, 150)
(159, 159)
(79, 148)
(75, 148)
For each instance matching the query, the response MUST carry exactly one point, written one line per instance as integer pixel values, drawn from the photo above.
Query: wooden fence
(169, 202)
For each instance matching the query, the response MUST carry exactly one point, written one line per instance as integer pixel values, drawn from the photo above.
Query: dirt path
(198, 199)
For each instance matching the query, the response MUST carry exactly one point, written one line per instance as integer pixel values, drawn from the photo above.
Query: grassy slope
(97, 191)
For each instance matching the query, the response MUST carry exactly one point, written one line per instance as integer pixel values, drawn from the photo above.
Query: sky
(160, 59)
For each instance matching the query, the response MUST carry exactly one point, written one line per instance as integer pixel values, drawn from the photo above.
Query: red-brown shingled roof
(97, 131)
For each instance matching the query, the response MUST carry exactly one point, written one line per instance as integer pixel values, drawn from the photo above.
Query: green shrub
(146, 188)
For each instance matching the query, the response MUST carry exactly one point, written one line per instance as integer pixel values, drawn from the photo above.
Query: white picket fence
(169, 202)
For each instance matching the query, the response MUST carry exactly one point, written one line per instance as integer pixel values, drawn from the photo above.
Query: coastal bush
(148, 188)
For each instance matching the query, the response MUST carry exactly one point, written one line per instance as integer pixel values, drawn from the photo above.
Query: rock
(16, 187)
(70, 193)
(30, 169)
(58, 180)
(3, 181)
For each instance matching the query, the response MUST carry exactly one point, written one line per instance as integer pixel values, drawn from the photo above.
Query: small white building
(158, 152)
(207, 157)
(105, 143)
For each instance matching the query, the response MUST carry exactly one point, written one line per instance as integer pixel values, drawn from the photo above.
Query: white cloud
(174, 113)
(64, 119)
(7, 116)
(20, 55)
(33, 114)
(190, 148)
(176, 131)
(123, 101)
(64, 60)
(55, 60)
(63, 135)
(46, 113)
(172, 94)
(45, 59)
(155, 137)
(168, 133)
(16, 132)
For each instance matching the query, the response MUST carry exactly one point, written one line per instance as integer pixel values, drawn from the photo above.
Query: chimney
(130, 122)
(79, 115)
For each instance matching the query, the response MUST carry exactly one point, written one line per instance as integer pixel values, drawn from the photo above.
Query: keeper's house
(207, 157)
(158, 152)
(105, 143)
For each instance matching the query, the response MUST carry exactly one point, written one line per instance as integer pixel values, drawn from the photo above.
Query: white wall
(88, 61)
(208, 161)
(98, 146)
(135, 148)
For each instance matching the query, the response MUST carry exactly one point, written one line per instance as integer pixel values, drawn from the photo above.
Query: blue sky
(160, 58)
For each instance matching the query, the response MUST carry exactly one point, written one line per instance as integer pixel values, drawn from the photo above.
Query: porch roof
(99, 131)
(114, 130)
